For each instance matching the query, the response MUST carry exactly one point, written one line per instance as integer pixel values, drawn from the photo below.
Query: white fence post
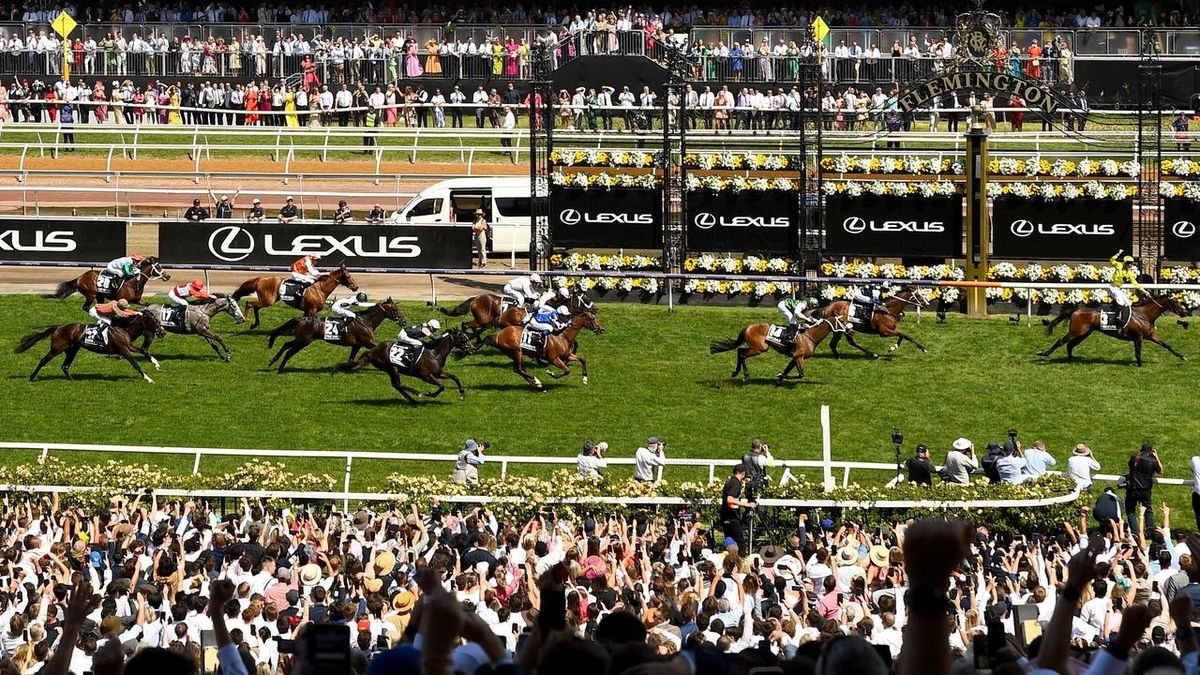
(826, 450)
(196, 464)
(346, 484)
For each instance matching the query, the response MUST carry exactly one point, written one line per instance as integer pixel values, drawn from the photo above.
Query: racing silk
(1123, 275)
(549, 300)
(189, 291)
(345, 307)
(112, 310)
(124, 267)
(520, 289)
(305, 266)
(411, 336)
(545, 321)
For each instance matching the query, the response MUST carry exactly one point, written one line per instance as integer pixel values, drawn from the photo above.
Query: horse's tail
(1065, 313)
(728, 344)
(249, 286)
(459, 310)
(33, 338)
(288, 325)
(64, 289)
(347, 366)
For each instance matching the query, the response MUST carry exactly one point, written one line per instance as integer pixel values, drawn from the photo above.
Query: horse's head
(391, 311)
(343, 277)
(911, 295)
(152, 268)
(582, 303)
(226, 304)
(588, 320)
(460, 340)
(1174, 304)
(150, 322)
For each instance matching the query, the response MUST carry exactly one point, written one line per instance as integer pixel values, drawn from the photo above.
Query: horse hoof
(148, 379)
(585, 379)
(156, 364)
(550, 372)
(924, 351)
(1042, 354)
(872, 355)
(892, 348)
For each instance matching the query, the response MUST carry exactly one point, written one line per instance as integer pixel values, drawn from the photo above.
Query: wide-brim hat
(962, 444)
(879, 556)
(788, 568)
(404, 601)
(384, 563)
(1082, 449)
(310, 574)
(373, 585)
(847, 555)
(770, 553)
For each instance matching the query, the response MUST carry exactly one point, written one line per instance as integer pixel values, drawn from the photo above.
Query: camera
(897, 437)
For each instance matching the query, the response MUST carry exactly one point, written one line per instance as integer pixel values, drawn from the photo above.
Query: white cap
(256, 201)
(224, 197)
(289, 198)
(602, 446)
(962, 444)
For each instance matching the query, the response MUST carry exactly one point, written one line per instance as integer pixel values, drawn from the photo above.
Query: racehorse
(429, 366)
(558, 349)
(69, 338)
(882, 323)
(355, 334)
(311, 302)
(1085, 320)
(485, 311)
(197, 319)
(754, 337)
(131, 289)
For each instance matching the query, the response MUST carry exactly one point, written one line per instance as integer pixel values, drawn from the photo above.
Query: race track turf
(651, 374)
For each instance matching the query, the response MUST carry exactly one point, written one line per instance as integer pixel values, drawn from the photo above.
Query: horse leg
(294, 348)
(254, 305)
(1073, 342)
(837, 337)
(462, 393)
(903, 336)
(854, 343)
(283, 348)
(1058, 343)
(582, 364)
(217, 338)
(1153, 337)
(432, 379)
(68, 359)
(212, 340)
(783, 375)
(128, 356)
(519, 368)
(1137, 349)
(398, 386)
(353, 353)
(557, 362)
(45, 359)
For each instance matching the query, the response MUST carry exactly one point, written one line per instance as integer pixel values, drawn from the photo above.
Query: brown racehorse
(69, 338)
(883, 323)
(1085, 320)
(754, 337)
(358, 333)
(131, 289)
(313, 300)
(559, 348)
(485, 311)
(430, 365)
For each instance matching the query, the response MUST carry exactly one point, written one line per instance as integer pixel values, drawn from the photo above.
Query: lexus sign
(617, 218)
(61, 240)
(893, 226)
(745, 222)
(1079, 229)
(1180, 240)
(213, 244)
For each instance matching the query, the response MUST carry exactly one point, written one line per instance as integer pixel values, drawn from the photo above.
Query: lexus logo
(225, 243)
(1183, 229)
(1022, 228)
(570, 217)
(705, 221)
(854, 225)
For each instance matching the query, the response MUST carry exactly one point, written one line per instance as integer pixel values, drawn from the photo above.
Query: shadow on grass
(78, 377)
(399, 401)
(1086, 361)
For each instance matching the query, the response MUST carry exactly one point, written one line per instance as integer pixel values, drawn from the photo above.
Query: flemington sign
(1035, 93)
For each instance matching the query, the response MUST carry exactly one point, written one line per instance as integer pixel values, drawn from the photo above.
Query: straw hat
(403, 601)
(384, 563)
(847, 555)
(310, 574)
(788, 568)
(879, 555)
(1082, 449)
(373, 585)
(771, 553)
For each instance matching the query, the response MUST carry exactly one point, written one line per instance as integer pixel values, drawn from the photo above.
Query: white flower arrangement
(1032, 165)
(607, 283)
(854, 188)
(926, 188)
(760, 184)
(1075, 295)
(1034, 272)
(561, 281)
(1085, 168)
(591, 156)
(650, 285)
(777, 265)
(1184, 167)
(841, 164)
(625, 284)
(1190, 299)
(712, 183)
(1070, 191)
(1119, 191)
(737, 184)
(945, 188)
(889, 271)
(585, 284)
(889, 165)
(1019, 189)
(1109, 167)
(572, 262)
(1058, 168)
(706, 161)
(691, 285)
(828, 293)
(828, 187)
(1191, 191)
(761, 289)
(914, 164)
(1045, 190)
(592, 262)
(1131, 168)
(603, 180)
(994, 189)
(1094, 188)
(558, 178)
(957, 167)
(729, 265)
(774, 163)
(1086, 272)
(1008, 166)
(1177, 275)
(993, 293)
(877, 187)
(1060, 273)
(578, 180)
(1006, 270)
(1169, 189)
(1107, 273)
(898, 188)
(785, 184)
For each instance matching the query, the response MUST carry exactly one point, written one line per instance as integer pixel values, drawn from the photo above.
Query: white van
(504, 199)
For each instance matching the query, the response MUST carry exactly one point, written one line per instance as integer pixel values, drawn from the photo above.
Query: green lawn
(651, 373)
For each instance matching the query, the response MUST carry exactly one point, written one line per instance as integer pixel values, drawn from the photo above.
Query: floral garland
(909, 164)
(895, 188)
(734, 161)
(1180, 167)
(604, 181)
(606, 158)
(750, 264)
(1064, 168)
(590, 261)
(866, 270)
(1062, 191)
(1005, 166)
(1187, 190)
(736, 184)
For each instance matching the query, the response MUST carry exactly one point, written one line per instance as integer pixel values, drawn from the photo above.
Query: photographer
(756, 462)
(466, 471)
(1143, 466)
(920, 469)
(591, 459)
(733, 506)
(647, 458)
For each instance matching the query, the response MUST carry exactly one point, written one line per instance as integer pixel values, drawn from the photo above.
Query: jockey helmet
(197, 284)
(361, 297)
(224, 198)
(564, 292)
(137, 256)
(563, 311)
(535, 278)
(433, 324)
(1127, 259)
(122, 303)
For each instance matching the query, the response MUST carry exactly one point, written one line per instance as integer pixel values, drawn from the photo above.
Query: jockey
(126, 267)
(344, 308)
(793, 311)
(871, 300)
(547, 320)
(1126, 273)
(412, 335)
(193, 289)
(552, 298)
(115, 309)
(305, 269)
(522, 288)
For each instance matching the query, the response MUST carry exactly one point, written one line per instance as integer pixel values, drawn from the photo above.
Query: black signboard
(895, 226)
(617, 218)
(61, 240)
(743, 222)
(271, 244)
(1181, 217)
(1075, 229)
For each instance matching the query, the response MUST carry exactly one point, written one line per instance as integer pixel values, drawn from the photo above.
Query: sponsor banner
(54, 240)
(617, 218)
(894, 226)
(1181, 220)
(745, 222)
(1076, 229)
(1036, 94)
(393, 247)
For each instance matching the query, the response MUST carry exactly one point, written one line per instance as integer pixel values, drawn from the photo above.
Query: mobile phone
(328, 648)
(979, 647)
(523, 638)
(285, 646)
(996, 639)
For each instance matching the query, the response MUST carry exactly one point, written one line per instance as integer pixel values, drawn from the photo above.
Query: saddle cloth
(532, 341)
(1114, 318)
(291, 290)
(775, 335)
(95, 336)
(171, 317)
(860, 314)
(108, 283)
(334, 330)
(404, 356)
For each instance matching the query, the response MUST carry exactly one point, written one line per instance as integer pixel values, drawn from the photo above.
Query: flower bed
(1005, 166)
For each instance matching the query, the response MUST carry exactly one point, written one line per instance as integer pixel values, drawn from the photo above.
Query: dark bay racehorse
(197, 320)
(68, 338)
(313, 300)
(882, 323)
(558, 349)
(754, 339)
(1086, 320)
(485, 311)
(131, 289)
(429, 366)
(356, 334)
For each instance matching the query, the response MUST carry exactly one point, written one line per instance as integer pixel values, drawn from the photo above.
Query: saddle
(335, 330)
(1115, 318)
(96, 336)
(171, 316)
(108, 283)
(403, 356)
(291, 290)
(781, 336)
(532, 341)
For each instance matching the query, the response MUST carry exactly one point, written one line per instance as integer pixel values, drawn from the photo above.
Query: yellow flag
(63, 24)
(820, 30)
